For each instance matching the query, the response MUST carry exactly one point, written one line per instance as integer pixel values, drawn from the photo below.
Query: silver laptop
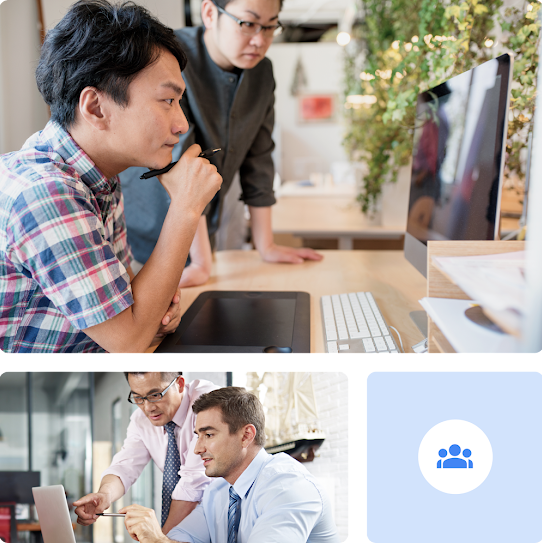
(53, 514)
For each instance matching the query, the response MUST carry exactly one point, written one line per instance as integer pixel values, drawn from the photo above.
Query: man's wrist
(107, 494)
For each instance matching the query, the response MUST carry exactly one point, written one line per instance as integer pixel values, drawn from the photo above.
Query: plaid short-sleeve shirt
(63, 246)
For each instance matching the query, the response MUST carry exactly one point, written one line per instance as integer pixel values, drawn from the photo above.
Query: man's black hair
(102, 45)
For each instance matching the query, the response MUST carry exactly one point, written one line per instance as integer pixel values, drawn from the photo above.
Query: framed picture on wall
(317, 107)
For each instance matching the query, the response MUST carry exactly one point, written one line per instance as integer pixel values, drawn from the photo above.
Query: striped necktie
(234, 515)
(171, 470)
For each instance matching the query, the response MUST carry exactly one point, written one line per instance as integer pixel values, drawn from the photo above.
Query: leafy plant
(403, 48)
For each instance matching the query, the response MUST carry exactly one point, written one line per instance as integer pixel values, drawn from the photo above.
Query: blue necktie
(171, 470)
(233, 516)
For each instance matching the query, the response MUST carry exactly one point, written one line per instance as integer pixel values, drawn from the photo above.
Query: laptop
(53, 514)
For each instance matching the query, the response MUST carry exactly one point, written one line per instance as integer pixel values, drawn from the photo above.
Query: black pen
(111, 514)
(208, 153)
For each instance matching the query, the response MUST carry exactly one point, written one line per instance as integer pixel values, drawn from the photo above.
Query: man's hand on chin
(142, 524)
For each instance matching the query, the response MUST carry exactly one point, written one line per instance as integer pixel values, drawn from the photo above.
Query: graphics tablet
(243, 322)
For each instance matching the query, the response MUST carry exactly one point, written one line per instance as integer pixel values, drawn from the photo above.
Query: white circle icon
(455, 456)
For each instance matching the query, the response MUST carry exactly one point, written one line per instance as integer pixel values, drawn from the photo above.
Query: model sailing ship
(291, 426)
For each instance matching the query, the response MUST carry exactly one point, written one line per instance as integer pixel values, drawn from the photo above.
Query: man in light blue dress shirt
(277, 499)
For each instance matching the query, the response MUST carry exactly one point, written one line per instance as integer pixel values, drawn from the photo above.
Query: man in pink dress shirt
(162, 397)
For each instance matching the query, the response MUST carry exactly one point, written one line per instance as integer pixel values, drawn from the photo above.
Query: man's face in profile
(145, 131)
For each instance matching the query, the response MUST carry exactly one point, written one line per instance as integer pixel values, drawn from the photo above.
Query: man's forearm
(262, 233)
(113, 487)
(155, 285)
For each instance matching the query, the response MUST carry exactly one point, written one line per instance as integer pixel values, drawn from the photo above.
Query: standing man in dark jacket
(229, 103)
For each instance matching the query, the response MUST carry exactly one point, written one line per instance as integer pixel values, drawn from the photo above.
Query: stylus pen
(208, 153)
(111, 514)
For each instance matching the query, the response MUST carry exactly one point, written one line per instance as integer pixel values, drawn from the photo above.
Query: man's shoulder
(190, 39)
(282, 464)
(37, 174)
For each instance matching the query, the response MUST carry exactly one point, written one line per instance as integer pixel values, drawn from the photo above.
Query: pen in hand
(111, 514)
(208, 153)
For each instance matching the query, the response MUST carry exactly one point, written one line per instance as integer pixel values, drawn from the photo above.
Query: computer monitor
(458, 159)
(16, 486)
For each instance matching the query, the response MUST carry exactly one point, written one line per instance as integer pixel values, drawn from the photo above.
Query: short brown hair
(165, 376)
(238, 408)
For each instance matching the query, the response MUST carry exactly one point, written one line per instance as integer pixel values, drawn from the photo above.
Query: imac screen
(458, 154)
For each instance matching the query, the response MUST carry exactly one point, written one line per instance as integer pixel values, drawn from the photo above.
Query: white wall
(331, 465)
(299, 142)
(22, 110)
(170, 12)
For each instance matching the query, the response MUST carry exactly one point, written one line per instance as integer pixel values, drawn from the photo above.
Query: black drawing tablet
(243, 322)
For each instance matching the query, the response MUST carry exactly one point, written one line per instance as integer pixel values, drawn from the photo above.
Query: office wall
(331, 465)
(170, 12)
(22, 110)
(323, 68)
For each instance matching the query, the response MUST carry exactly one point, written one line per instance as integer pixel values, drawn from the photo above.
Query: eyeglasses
(151, 398)
(250, 28)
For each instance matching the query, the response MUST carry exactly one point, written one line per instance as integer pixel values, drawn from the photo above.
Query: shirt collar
(75, 157)
(247, 478)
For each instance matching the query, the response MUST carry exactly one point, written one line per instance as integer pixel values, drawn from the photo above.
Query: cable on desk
(399, 336)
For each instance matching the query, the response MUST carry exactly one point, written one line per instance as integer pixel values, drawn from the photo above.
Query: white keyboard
(353, 323)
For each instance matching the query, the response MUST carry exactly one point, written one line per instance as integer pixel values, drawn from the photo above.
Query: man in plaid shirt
(112, 78)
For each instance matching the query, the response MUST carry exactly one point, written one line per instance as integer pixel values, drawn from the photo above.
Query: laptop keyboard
(353, 323)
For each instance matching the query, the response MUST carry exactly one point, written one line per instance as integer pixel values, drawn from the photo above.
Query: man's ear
(209, 13)
(249, 435)
(181, 383)
(93, 108)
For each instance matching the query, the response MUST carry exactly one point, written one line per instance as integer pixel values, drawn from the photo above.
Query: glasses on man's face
(250, 28)
(152, 398)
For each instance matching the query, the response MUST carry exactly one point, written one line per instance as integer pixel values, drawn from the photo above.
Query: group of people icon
(454, 461)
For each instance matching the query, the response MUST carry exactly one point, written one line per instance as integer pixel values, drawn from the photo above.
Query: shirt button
(232, 79)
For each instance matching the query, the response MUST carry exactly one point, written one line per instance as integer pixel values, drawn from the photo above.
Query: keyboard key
(332, 347)
(380, 344)
(344, 347)
(369, 345)
(389, 341)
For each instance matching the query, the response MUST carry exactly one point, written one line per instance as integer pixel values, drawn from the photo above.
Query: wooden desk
(395, 284)
(332, 217)
(35, 530)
